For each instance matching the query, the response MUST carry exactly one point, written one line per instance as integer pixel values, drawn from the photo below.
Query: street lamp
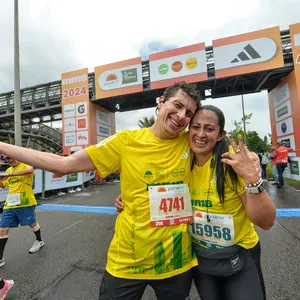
(244, 121)
(17, 102)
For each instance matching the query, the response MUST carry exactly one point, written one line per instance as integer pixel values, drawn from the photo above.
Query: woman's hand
(119, 204)
(245, 163)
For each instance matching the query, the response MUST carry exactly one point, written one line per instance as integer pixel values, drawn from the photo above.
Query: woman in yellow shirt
(228, 198)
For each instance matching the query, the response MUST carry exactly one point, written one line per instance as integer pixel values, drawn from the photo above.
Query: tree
(146, 122)
(254, 142)
(239, 125)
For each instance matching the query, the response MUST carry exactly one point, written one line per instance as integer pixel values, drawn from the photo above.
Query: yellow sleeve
(5, 182)
(106, 155)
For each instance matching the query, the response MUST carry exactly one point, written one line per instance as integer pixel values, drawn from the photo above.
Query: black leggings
(248, 284)
(172, 288)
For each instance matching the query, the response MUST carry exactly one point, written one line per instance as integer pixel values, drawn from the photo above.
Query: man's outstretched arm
(77, 162)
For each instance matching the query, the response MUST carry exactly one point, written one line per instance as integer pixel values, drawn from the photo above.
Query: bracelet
(255, 184)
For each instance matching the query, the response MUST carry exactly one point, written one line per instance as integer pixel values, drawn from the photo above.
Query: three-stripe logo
(248, 53)
(244, 53)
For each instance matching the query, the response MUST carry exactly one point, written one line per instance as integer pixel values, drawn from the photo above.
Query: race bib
(212, 230)
(13, 199)
(170, 205)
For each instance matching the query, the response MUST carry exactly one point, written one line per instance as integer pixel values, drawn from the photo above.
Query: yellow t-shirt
(137, 250)
(205, 199)
(21, 185)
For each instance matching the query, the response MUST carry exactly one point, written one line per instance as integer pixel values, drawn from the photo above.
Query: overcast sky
(63, 35)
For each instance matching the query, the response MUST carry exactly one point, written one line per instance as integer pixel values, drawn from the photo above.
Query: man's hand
(4, 176)
(119, 204)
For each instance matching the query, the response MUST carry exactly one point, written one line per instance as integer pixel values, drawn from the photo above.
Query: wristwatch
(255, 188)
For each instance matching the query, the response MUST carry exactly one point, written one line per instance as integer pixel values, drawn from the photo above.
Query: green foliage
(146, 122)
(254, 142)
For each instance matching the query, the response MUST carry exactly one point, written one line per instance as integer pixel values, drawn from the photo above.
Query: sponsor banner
(283, 111)
(75, 84)
(69, 110)
(103, 125)
(284, 107)
(69, 124)
(75, 103)
(124, 77)
(81, 109)
(75, 148)
(82, 138)
(3, 192)
(292, 170)
(295, 42)
(70, 139)
(86, 176)
(297, 39)
(289, 141)
(82, 123)
(247, 53)
(295, 167)
(54, 182)
(185, 63)
(284, 127)
(103, 130)
(282, 94)
(100, 116)
(38, 181)
(103, 118)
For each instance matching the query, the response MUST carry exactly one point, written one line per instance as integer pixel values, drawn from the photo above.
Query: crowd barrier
(47, 181)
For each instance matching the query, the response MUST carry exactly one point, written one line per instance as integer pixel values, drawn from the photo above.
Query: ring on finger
(237, 151)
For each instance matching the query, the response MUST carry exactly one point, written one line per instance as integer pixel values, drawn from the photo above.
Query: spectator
(272, 157)
(263, 157)
(282, 157)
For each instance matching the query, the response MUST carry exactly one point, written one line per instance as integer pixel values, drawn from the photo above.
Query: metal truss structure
(42, 103)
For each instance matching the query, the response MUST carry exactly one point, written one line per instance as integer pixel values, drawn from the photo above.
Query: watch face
(256, 190)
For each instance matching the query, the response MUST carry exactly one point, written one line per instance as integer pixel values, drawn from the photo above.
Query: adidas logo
(244, 53)
(248, 53)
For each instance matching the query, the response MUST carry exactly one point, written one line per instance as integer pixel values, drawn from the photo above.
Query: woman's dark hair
(220, 148)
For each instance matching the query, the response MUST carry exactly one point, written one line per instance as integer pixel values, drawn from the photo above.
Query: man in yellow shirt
(151, 245)
(19, 205)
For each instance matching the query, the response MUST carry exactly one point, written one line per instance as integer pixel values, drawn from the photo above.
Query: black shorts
(173, 288)
(248, 284)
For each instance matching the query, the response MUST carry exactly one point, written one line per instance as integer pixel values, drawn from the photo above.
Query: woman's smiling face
(205, 132)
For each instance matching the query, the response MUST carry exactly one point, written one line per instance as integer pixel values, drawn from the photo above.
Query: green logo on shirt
(202, 203)
(148, 174)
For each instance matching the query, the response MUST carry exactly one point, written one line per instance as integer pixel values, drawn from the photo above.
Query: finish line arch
(267, 59)
(252, 62)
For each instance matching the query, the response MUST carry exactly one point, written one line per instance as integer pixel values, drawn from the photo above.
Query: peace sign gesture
(244, 163)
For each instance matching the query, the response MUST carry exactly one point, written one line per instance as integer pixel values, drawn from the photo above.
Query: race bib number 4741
(170, 205)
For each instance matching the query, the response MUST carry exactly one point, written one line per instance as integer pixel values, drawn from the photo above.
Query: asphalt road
(71, 264)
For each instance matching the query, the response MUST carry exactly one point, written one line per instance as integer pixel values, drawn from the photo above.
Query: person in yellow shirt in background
(20, 204)
(154, 165)
(228, 198)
